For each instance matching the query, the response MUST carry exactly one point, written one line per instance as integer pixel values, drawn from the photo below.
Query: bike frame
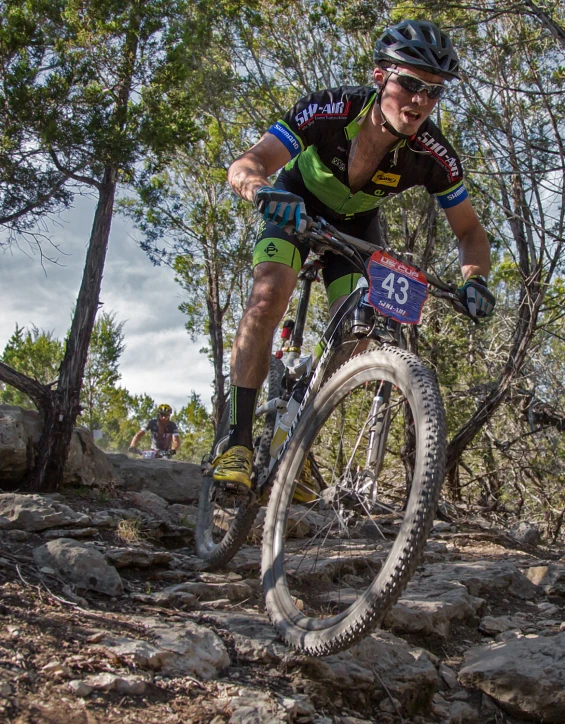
(322, 236)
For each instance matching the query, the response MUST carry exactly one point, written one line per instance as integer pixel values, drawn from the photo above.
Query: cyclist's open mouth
(411, 116)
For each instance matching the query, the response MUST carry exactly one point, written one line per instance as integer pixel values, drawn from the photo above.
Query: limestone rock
(233, 591)
(176, 649)
(87, 464)
(136, 557)
(151, 503)
(380, 665)
(37, 512)
(493, 625)
(524, 676)
(429, 606)
(129, 685)
(256, 707)
(550, 577)
(174, 481)
(20, 431)
(255, 638)
(526, 533)
(79, 564)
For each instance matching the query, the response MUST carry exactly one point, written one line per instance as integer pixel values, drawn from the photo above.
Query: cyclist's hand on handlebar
(476, 297)
(282, 208)
(134, 451)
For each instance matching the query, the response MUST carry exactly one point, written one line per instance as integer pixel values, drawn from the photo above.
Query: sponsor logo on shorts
(386, 179)
(271, 250)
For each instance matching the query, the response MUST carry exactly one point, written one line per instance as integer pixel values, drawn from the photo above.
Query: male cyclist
(164, 432)
(344, 151)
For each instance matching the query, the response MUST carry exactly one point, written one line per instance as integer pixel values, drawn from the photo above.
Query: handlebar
(319, 234)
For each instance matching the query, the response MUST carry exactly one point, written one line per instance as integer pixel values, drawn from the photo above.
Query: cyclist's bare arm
(175, 443)
(474, 249)
(136, 438)
(252, 169)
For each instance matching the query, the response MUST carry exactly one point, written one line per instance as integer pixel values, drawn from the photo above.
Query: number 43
(402, 285)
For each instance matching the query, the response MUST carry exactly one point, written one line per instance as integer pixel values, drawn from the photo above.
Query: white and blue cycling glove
(281, 208)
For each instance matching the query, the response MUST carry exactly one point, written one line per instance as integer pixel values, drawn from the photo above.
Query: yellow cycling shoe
(234, 466)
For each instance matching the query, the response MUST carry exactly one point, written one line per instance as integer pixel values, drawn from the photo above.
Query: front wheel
(332, 569)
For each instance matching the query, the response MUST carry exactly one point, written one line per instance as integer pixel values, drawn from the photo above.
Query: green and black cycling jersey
(320, 132)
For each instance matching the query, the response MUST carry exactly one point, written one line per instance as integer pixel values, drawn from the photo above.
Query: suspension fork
(378, 431)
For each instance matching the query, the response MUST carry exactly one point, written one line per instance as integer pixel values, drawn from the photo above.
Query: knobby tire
(327, 590)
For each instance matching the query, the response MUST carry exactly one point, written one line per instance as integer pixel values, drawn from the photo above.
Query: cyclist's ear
(378, 76)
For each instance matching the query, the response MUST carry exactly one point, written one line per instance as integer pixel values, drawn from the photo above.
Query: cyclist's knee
(272, 286)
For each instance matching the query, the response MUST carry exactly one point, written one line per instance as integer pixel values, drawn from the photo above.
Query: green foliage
(35, 353)
(101, 372)
(196, 429)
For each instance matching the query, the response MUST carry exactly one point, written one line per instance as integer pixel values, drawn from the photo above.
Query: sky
(160, 359)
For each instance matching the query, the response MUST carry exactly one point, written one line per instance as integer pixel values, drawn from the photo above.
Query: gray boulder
(173, 481)
(79, 564)
(20, 431)
(525, 676)
(36, 512)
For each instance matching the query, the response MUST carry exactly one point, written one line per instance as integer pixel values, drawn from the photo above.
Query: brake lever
(455, 303)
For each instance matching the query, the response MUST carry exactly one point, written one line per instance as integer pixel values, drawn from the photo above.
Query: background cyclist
(344, 151)
(164, 432)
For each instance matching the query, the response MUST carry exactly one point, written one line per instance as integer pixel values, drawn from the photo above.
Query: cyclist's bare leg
(273, 284)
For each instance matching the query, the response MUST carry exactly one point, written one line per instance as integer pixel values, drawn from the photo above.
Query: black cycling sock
(242, 411)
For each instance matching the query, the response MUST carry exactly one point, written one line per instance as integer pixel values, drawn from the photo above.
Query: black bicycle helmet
(421, 44)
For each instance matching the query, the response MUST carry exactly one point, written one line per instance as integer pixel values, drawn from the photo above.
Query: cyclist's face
(405, 110)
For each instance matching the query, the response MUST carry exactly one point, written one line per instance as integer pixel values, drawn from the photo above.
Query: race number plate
(396, 289)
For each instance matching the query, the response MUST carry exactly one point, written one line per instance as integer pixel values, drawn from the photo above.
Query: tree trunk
(60, 412)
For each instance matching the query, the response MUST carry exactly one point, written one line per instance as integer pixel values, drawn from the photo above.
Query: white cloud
(160, 359)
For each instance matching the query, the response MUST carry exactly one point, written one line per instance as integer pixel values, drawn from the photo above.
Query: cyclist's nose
(420, 98)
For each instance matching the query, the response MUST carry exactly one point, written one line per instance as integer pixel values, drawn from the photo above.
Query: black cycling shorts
(339, 274)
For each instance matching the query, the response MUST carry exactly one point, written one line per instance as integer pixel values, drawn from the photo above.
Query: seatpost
(309, 275)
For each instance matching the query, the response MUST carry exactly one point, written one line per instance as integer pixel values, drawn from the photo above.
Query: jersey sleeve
(301, 125)
(149, 426)
(173, 429)
(445, 180)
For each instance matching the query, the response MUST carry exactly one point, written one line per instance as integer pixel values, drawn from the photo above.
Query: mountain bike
(365, 445)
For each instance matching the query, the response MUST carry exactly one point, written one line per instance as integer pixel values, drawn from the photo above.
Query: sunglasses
(412, 84)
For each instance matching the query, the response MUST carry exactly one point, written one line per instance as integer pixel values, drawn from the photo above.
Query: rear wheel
(225, 517)
(332, 568)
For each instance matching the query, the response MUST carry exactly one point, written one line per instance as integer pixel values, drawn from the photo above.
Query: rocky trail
(105, 616)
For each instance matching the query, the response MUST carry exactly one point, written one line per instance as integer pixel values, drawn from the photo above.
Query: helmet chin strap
(385, 122)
